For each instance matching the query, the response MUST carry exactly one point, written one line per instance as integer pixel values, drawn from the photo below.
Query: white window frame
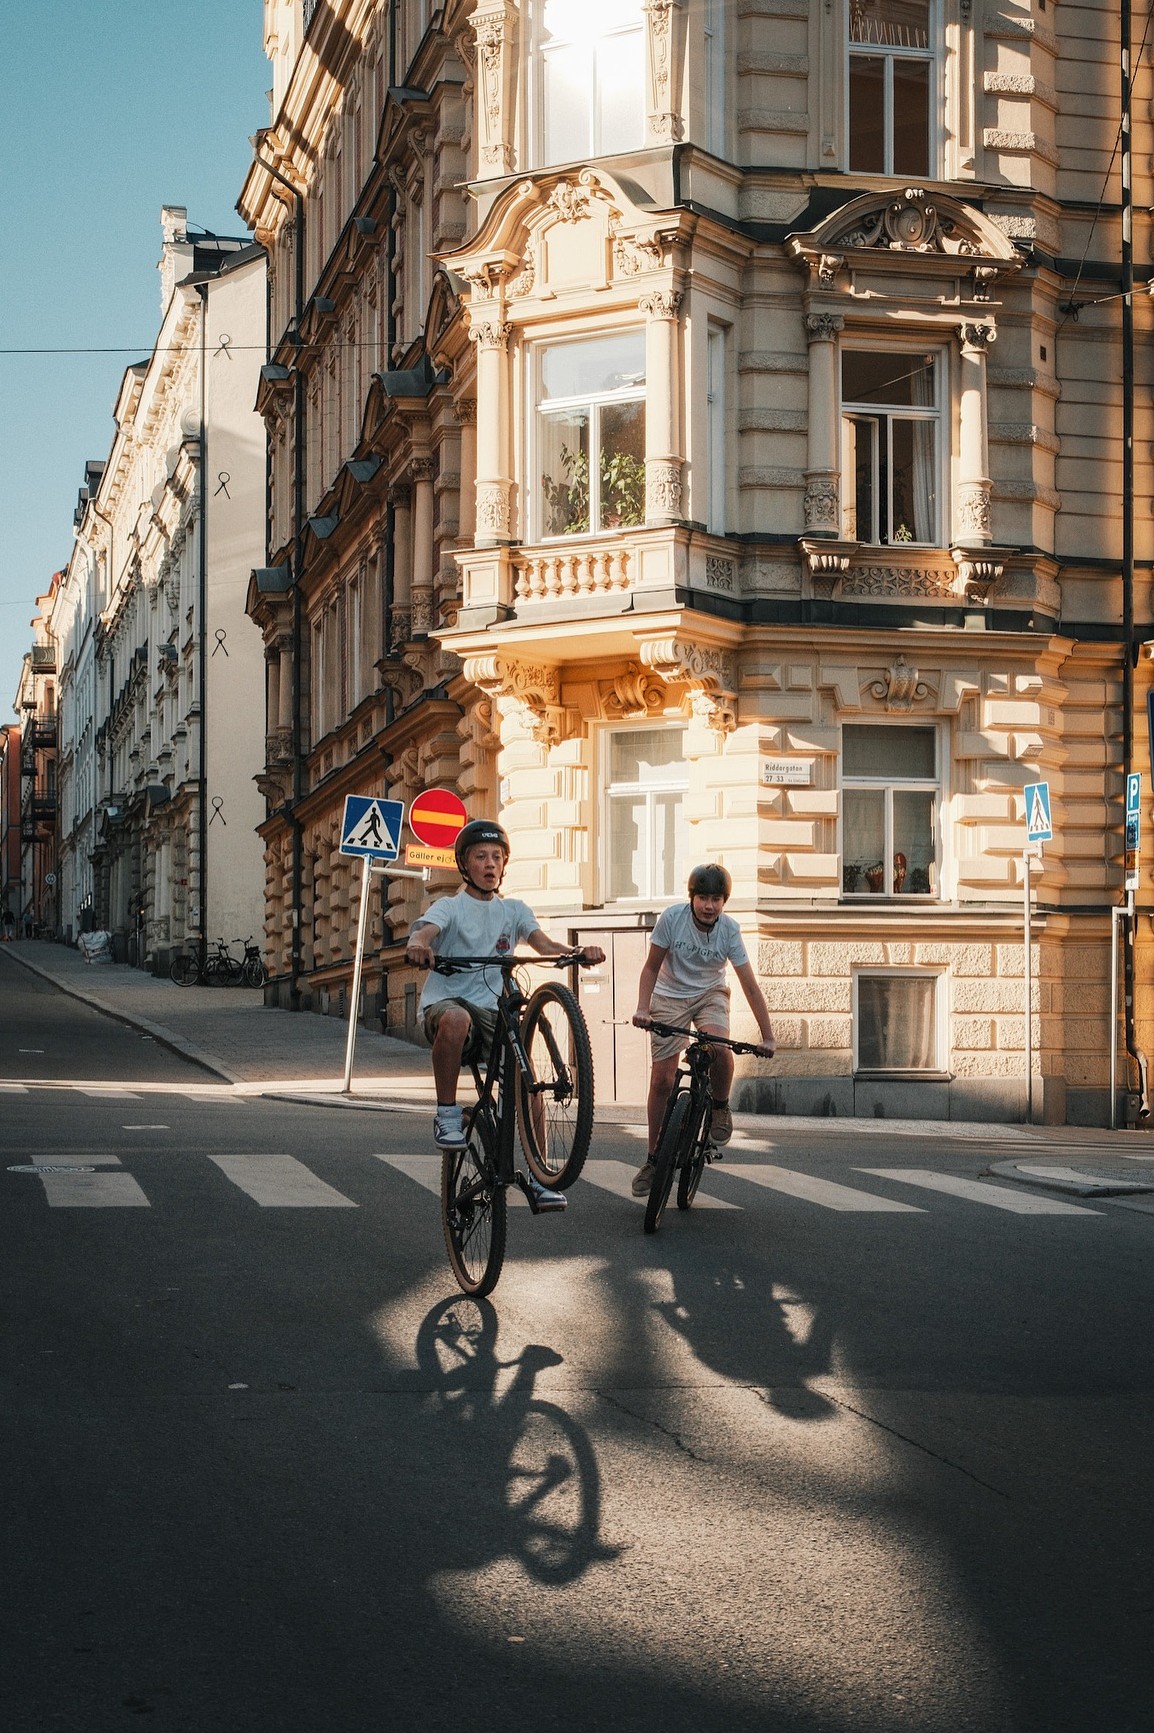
(594, 403)
(936, 414)
(591, 146)
(890, 53)
(888, 784)
(648, 893)
(716, 117)
(939, 979)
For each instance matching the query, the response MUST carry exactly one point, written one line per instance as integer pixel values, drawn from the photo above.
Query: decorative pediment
(544, 236)
(913, 226)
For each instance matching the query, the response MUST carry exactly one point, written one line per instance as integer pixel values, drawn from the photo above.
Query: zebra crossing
(276, 1180)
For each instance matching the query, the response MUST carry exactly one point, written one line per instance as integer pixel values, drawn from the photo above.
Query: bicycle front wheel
(691, 1170)
(185, 969)
(555, 1101)
(255, 973)
(473, 1207)
(673, 1140)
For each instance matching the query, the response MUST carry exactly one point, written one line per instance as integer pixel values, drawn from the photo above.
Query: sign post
(371, 828)
(1039, 829)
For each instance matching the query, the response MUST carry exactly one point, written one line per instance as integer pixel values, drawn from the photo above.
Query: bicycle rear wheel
(673, 1139)
(255, 973)
(185, 969)
(555, 1103)
(473, 1212)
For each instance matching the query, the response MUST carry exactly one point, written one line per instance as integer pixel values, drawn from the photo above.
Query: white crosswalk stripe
(425, 1169)
(279, 1182)
(976, 1191)
(103, 1187)
(617, 1177)
(822, 1192)
(106, 1092)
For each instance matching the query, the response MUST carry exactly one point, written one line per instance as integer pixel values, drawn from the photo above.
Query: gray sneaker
(721, 1125)
(542, 1198)
(449, 1128)
(643, 1179)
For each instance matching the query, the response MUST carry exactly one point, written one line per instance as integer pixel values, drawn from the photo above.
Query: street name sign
(371, 827)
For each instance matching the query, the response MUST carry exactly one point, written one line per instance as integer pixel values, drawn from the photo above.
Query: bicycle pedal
(541, 1200)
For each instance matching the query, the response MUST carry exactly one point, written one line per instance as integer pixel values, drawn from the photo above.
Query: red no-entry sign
(436, 816)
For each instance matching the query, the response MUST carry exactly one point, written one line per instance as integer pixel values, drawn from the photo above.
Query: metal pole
(1029, 974)
(1117, 913)
(362, 923)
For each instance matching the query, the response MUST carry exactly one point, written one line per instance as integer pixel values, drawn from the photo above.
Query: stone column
(272, 688)
(663, 456)
(494, 476)
(421, 470)
(466, 412)
(399, 624)
(284, 714)
(974, 485)
(663, 35)
(823, 476)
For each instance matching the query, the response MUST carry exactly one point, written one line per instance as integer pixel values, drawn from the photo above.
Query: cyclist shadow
(751, 1332)
(527, 1472)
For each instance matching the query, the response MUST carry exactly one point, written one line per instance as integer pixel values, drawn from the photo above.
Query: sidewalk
(301, 1056)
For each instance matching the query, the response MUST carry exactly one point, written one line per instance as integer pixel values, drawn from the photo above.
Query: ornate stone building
(696, 432)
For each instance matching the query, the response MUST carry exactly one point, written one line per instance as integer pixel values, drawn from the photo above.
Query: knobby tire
(665, 1161)
(692, 1167)
(555, 1106)
(473, 1211)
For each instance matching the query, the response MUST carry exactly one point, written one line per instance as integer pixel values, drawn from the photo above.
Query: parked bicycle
(538, 1081)
(220, 968)
(685, 1147)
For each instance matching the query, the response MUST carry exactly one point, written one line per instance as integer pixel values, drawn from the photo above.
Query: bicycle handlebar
(700, 1035)
(451, 965)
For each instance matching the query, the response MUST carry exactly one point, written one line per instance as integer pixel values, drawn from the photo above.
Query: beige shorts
(480, 1037)
(710, 1011)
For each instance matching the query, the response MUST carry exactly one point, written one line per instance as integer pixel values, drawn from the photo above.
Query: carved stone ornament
(828, 563)
(906, 225)
(720, 572)
(974, 511)
(823, 327)
(662, 489)
(492, 508)
(661, 303)
(822, 504)
(634, 254)
(977, 335)
(522, 283)
(898, 582)
(533, 688)
(978, 572)
(900, 687)
(570, 201)
(636, 692)
(710, 675)
(490, 334)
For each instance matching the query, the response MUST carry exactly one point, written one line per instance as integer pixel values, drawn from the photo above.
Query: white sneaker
(449, 1128)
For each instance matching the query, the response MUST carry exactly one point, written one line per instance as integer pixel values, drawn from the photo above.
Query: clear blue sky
(108, 112)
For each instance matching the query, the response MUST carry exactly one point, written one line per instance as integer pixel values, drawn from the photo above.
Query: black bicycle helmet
(478, 830)
(710, 880)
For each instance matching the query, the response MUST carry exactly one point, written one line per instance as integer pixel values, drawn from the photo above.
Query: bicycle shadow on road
(533, 1485)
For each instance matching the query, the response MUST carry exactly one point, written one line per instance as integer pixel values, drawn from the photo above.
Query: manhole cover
(63, 1167)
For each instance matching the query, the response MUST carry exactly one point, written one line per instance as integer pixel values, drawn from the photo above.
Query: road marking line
(13, 1089)
(975, 1192)
(101, 1092)
(279, 1182)
(617, 1177)
(93, 1190)
(819, 1191)
(425, 1169)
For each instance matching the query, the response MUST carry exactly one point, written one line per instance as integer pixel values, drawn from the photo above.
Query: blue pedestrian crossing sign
(371, 827)
(1039, 827)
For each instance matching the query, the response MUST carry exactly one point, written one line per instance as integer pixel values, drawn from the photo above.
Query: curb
(1069, 1179)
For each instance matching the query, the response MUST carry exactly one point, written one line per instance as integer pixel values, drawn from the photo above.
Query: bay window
(646, 777)
(891, 446)
(891, 794)
(590, 434)
(590, 78)
(891, 84)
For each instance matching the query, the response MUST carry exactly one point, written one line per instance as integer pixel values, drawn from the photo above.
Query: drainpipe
(1128, 647)
(296, 962)
(103, 911)
(202, 609)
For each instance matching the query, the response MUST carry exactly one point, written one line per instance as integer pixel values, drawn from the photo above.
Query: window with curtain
(896, 1023)
(590, 434)
(590, 78)
(646, 777)
(890, 798)
(892, 79)
(891, 427)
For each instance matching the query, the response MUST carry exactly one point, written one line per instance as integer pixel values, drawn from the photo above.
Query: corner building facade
(745, 483)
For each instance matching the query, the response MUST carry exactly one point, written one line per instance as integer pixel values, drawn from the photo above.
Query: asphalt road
(810, 1462)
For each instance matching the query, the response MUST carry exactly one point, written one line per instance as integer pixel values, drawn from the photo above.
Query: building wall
(870, 483)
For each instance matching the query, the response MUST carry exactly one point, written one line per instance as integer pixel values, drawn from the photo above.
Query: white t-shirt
(696, 960)
(469, 927)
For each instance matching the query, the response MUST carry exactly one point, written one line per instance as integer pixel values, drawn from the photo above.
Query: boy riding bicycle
(460, 1016)
(683, 982)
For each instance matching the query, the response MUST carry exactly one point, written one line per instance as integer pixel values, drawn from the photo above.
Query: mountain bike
(537, 1080)
(684, 1146)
